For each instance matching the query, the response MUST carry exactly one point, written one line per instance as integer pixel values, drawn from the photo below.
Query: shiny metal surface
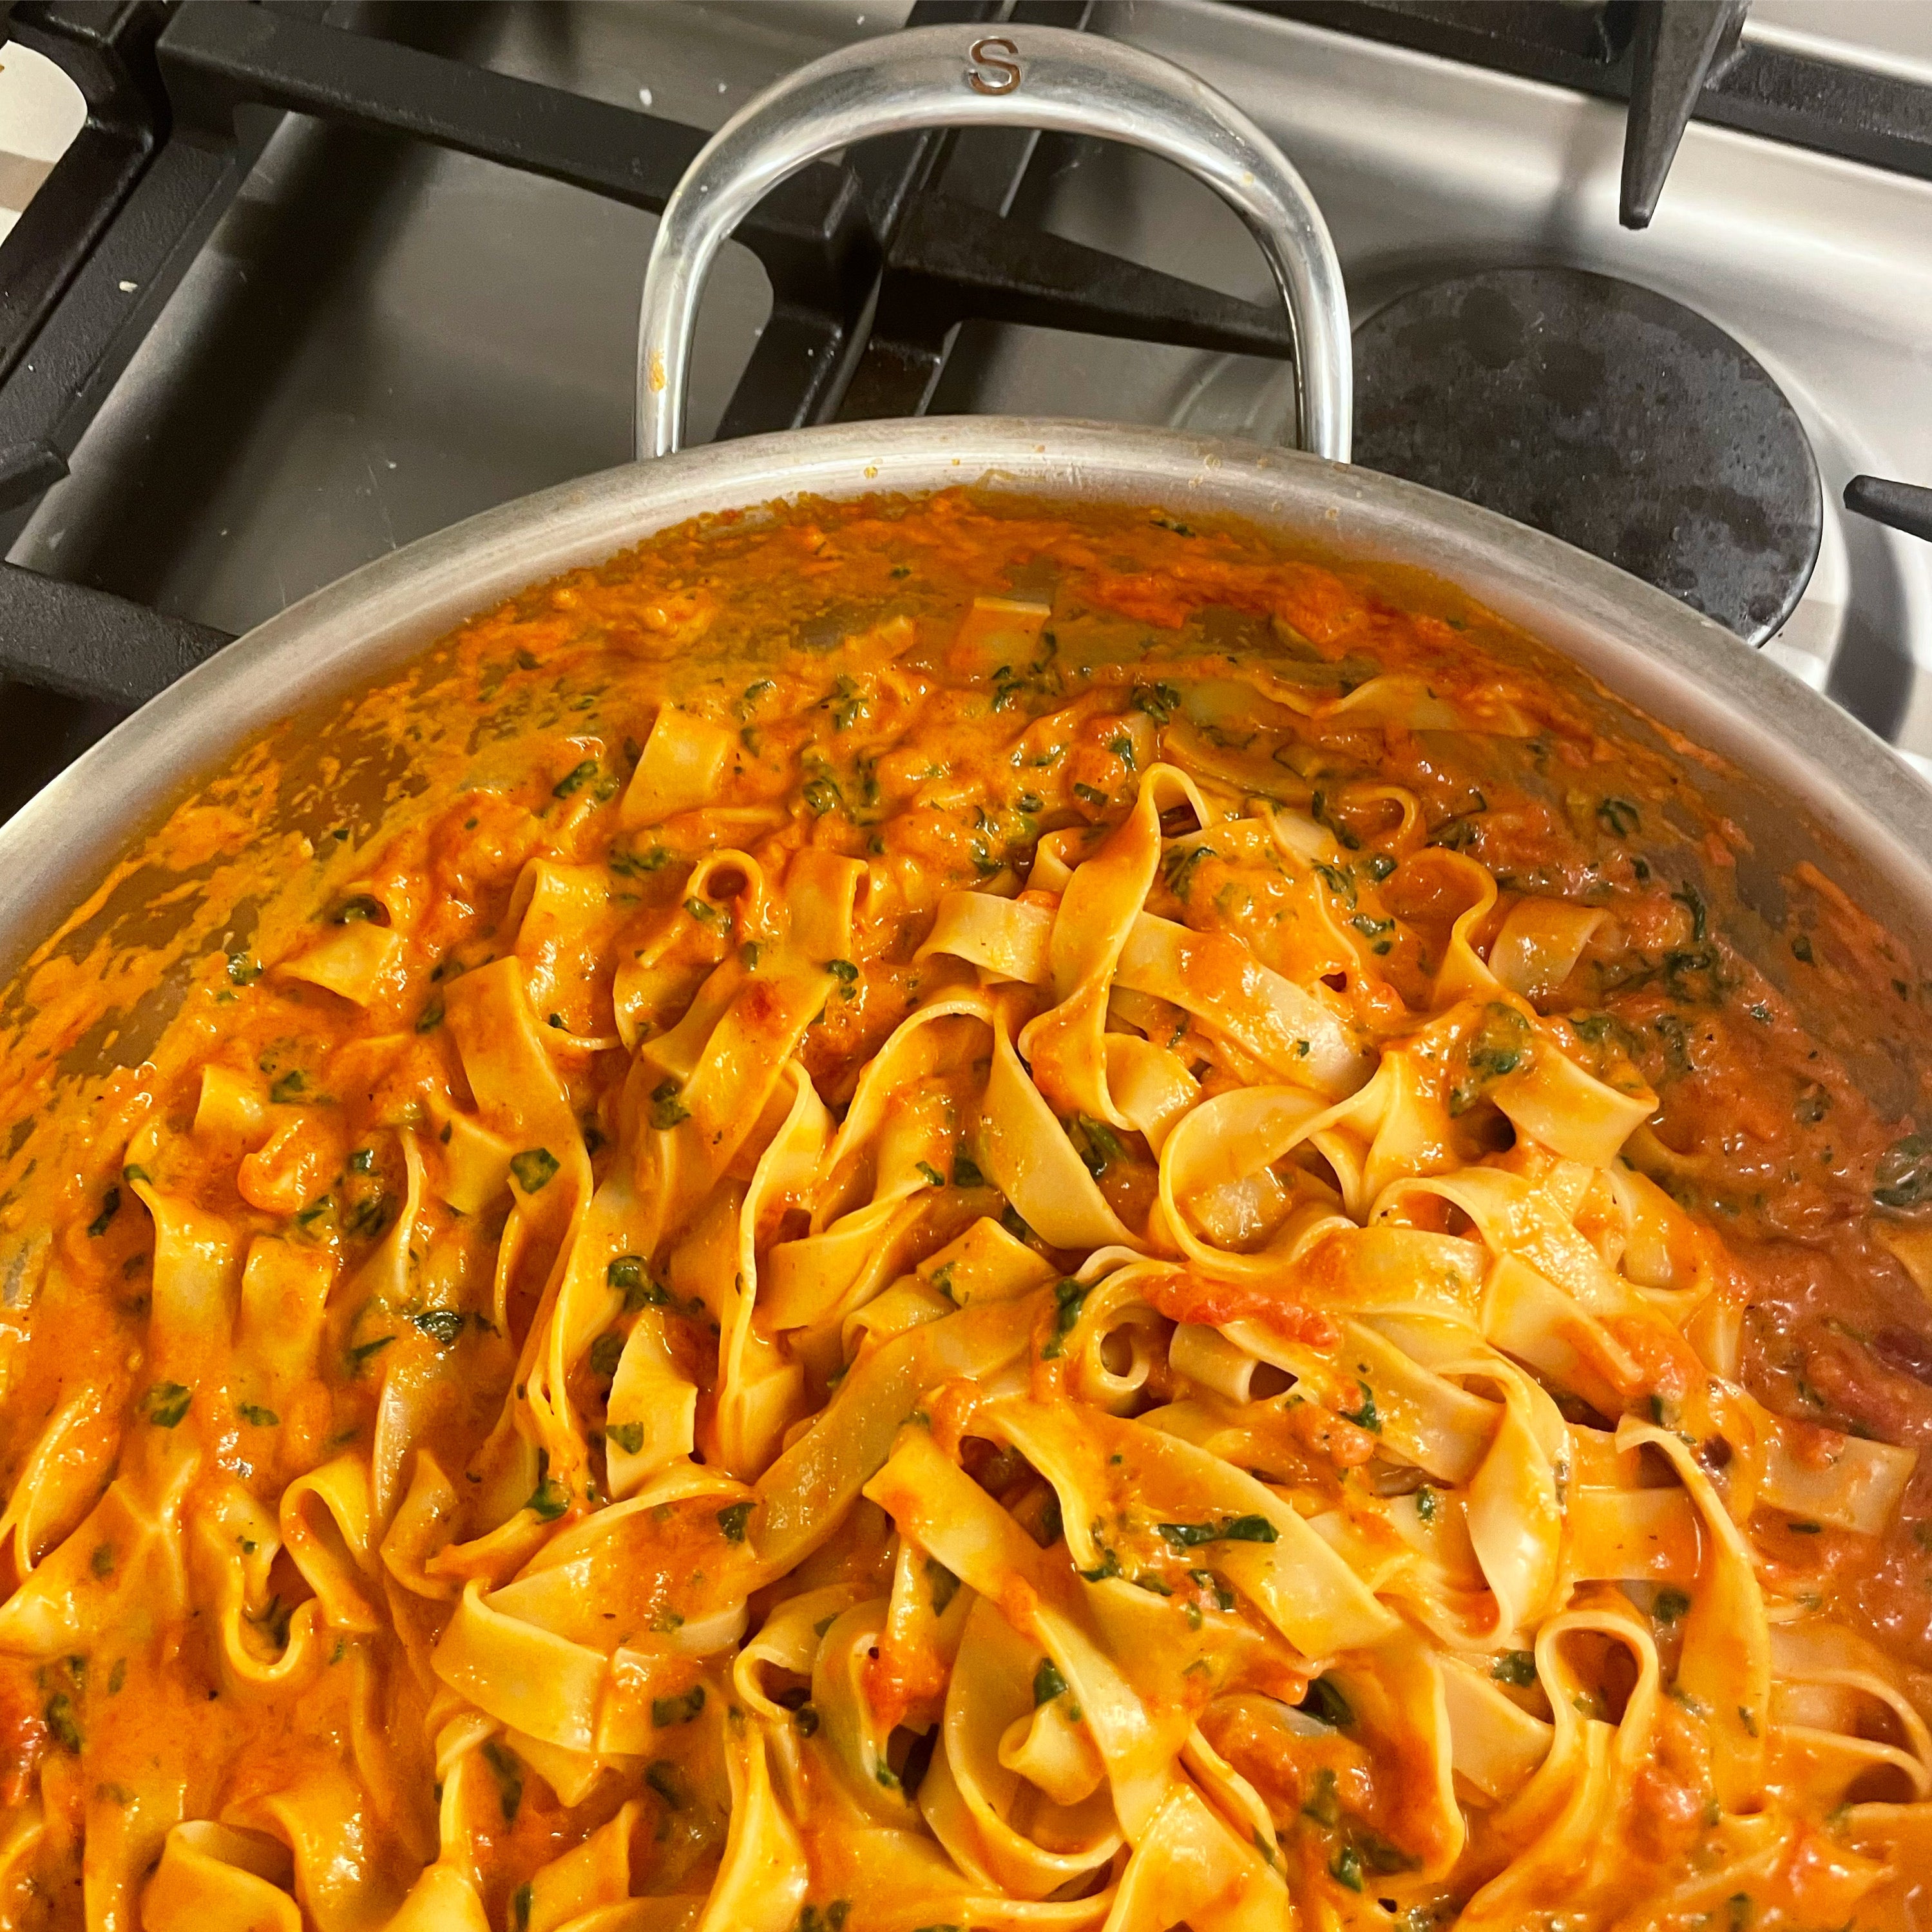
(1425, 168)
(1810, 783)
(1019, 77)
(382, 339)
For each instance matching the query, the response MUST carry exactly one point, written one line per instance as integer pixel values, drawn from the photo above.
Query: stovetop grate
(874, 262)
(1883, 120)
(865, 242)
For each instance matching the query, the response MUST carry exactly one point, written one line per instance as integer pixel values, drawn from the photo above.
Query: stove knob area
(1902, 506)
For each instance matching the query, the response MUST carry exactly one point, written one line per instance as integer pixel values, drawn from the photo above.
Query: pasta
(944, 1214)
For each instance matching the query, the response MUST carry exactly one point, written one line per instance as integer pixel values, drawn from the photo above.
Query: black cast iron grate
(872, 266)
(1626, 50)
(185, 96)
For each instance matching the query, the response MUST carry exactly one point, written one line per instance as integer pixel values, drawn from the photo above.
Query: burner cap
(1607, 415)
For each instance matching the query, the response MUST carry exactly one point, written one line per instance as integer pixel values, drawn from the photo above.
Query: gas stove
(313, 281)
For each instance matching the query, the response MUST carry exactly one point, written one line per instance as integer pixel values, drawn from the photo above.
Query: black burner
(1609, 416)
(874, 262)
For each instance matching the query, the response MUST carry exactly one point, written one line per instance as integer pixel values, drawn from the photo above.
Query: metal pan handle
(1016, 76)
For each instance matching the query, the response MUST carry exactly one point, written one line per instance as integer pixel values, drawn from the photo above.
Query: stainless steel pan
(1802, 780)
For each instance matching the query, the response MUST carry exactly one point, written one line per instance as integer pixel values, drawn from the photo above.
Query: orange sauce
(823, 637)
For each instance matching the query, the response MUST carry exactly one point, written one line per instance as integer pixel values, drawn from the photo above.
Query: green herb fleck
(943, 1585)
(1326, 1703)
(535, 1169)
(1224, 1529)
(369, 1216)
(1692, 901)
(1098, 1146)
(60, 1725)
(1318, 811)
(627, 1272)
(1159, 701)
(442, 1325)
(166, 1403)
(1178, 867)
(1456, 835)
(1903, 1177)
(1364, 1418)
(1224, 1597)
(1337, 879)
(666, 1712)
(509, 1771)
(638, 864)
(1497, 1045)
(549, 1499)
(1068, 1296)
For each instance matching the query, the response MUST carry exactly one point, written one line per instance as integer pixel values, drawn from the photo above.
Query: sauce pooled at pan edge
(953, 1212)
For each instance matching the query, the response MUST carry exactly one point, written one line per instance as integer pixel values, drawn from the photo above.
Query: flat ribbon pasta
(904, 1216)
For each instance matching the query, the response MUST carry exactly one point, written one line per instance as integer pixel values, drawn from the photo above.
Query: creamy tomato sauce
(871, 716)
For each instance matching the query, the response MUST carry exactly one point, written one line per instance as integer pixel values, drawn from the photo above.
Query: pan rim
(1656, 656)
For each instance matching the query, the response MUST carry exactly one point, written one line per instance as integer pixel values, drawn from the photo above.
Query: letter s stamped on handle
(996, 66)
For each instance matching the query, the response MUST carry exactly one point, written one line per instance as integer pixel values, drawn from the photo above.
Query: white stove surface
(450, 334)
(41, 111)
(1425, 167)
(1883, 36)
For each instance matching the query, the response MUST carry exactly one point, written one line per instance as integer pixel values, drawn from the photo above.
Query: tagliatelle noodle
(979, 1218)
